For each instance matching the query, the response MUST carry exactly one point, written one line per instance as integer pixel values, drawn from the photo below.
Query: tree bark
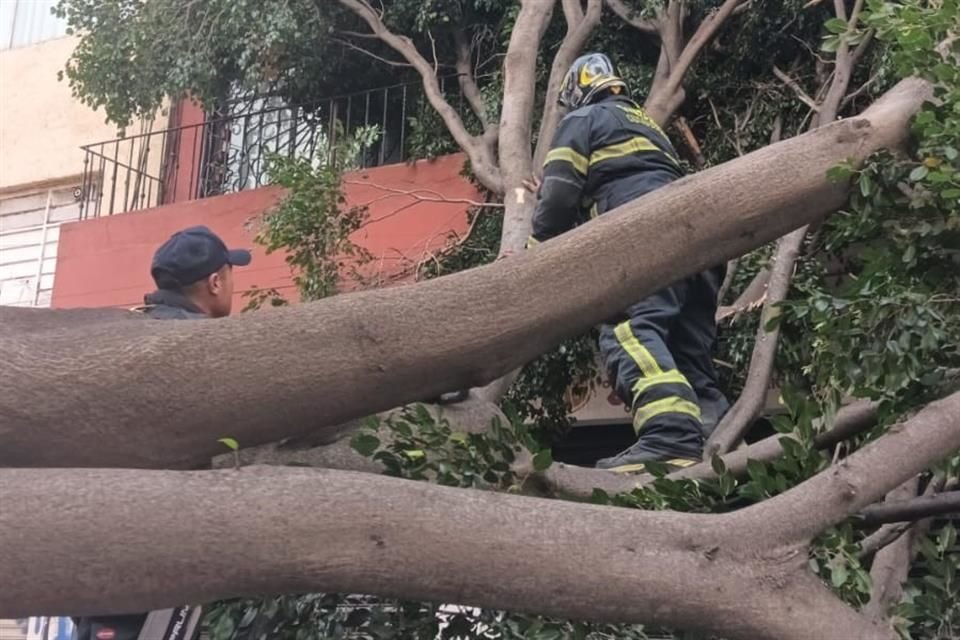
(143, 540)
(748, 406)
(913, 509)
(125, 396)
(150, 539)
(891, 564)
(867, 475)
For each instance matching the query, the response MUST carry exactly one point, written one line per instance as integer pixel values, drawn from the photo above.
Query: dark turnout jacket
(603, 155)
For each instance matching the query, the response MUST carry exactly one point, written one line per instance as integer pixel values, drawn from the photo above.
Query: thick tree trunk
(160, 394)
(150, 539)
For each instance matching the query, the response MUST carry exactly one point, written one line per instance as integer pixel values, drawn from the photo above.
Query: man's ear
(214, 283)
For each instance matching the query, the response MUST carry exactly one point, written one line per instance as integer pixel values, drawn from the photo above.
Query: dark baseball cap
(191, 255)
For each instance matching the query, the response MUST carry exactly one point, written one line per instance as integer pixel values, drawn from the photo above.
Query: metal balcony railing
(229, 153)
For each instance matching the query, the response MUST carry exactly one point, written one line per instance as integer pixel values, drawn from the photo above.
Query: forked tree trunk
(143, 394)
(139, 540)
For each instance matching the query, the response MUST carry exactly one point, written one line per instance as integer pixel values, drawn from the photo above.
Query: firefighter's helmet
(590, 76)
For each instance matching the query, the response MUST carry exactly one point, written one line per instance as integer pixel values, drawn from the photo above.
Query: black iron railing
(229, 153)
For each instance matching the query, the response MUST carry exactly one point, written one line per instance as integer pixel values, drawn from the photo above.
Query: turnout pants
(659, 361)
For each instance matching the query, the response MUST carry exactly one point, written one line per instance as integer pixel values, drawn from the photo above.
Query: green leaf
(919, 173)
(413, 454)
(839, 575)
(229, 443)
(830, 44)
(948, 536)
(835, 25)
(840, 172)
(364, 443)
(542, 460)
(716, 463)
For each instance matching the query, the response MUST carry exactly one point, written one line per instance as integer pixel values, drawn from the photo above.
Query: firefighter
(607, 151)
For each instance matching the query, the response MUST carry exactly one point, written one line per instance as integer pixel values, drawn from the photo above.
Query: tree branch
(865, 476)
(319, 530)
(914, 509)
(367, 52)
(735, 423)
(560, 479)
(483, 163)
(669, 95)
(578, 33)
(336, 359)
(793, 84)
(684, 127)
(626, 14)
(421, 195)
(738, 419)
(572, 11)
(516, 120)
(888, 533)
(892, 564)
(468, 84)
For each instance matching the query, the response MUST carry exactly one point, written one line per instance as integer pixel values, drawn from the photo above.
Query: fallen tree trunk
(141, 394)
(148, 539)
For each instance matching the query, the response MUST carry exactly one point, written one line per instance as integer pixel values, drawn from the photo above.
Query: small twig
(432, 196)
(836, 454)
(350, 45)
(852, 96)
(793, 84)
(433, 48)
(691, 140)
(728, 279)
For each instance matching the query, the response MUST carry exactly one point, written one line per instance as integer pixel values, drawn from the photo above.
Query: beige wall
(42, 128)
(41, 125)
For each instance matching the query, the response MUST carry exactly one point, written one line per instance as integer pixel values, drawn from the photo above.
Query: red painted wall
(106, 261)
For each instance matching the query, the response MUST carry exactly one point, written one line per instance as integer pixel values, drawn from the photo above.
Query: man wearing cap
(193, 271)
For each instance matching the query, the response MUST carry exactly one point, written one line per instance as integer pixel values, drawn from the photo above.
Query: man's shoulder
(167, 312)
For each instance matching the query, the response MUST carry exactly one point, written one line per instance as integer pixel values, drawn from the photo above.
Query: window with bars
(29, 234)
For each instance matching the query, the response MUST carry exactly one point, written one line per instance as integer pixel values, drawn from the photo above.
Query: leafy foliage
(312, 225)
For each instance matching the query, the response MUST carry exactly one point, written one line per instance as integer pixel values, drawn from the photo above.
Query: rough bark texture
(316, 530)
(123, 398)
(177, 536)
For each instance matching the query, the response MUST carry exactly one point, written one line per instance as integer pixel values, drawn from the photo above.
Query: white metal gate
(29, 233)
